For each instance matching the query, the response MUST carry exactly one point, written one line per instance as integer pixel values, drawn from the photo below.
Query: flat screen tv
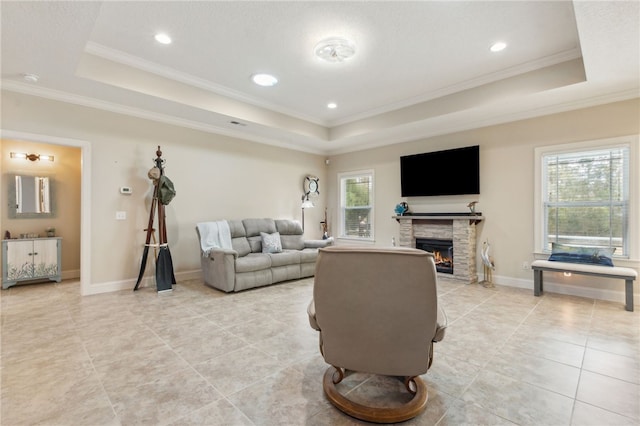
(449, 172)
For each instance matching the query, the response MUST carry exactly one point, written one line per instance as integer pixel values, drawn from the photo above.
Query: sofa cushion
(577, 254)
(308, 255)
(271, 242)
(287, 257)
(255, 243)
(236, 227)
(289, 227)
(290, 234)
(292, 242)
(253, 262)
(241, 245)
(253, 227)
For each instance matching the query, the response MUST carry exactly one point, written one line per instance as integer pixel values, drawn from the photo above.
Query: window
(585, 198)
(356, 205)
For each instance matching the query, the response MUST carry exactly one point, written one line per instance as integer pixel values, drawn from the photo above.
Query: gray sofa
(245, 265)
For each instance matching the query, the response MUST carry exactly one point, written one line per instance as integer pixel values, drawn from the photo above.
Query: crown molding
(57, 95)
(428, 130)
(419, 130)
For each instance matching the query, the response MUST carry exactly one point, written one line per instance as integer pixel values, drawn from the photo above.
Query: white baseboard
(72, 274)
(147, 281)
(512, 282)
(568, 289)
(549, 286)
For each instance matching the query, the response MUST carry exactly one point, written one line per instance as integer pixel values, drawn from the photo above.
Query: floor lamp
(306, 204)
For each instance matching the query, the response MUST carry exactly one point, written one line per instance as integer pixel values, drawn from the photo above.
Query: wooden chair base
(375, 414)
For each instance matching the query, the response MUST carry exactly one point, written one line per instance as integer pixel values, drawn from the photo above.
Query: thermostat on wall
(126, 190)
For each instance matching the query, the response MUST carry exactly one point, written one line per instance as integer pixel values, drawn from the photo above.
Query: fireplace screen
(442, 251)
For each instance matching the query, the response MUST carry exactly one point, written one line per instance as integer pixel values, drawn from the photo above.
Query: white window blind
(586, 198)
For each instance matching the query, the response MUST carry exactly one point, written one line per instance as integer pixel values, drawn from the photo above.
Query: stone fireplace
(447, 233)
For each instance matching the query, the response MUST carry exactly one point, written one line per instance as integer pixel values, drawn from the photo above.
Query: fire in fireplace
(442, 251)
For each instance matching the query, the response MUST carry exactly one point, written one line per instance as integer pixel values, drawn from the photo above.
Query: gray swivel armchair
(377, 312)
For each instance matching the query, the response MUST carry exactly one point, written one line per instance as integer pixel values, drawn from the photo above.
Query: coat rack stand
(165, 277)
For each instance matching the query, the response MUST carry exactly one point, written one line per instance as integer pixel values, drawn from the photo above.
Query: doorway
(85, 195)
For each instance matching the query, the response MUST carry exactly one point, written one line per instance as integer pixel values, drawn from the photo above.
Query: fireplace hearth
(442, 251)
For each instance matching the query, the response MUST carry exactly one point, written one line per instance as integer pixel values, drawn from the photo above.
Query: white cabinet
(31, 259)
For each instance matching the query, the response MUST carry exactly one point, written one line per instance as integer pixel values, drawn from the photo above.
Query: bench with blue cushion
(627, 274)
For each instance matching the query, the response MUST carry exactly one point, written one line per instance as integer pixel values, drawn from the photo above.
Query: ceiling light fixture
(335, 49)
(265, 80)
(163, 38)
(498, 46)
(332, 105)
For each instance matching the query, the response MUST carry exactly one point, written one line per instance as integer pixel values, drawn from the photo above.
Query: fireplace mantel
(472, 217)
(458, 227)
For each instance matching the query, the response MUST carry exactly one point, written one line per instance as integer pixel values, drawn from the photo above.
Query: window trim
(630, 142)
(341, 233)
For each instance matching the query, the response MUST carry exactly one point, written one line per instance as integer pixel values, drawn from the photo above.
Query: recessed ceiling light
(31, 78)
(332, 105)
(335, 49)
(163, 38)
(497, 47)
(266, 80)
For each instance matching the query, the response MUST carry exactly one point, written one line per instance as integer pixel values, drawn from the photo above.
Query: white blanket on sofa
(214, 235)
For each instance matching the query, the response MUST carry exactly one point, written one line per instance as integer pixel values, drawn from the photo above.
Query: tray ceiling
(420, 68)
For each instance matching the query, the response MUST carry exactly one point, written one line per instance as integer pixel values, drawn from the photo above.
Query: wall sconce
(31, 157)
(306, 204)
(566, 274)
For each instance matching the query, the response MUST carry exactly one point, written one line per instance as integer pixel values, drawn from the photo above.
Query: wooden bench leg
(628, 292)
(537, 282)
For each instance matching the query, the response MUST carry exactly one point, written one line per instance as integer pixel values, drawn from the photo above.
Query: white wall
(507, 183)
(216, 177)
(221, 177)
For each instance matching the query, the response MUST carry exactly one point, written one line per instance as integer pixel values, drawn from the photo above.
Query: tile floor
(197, 356)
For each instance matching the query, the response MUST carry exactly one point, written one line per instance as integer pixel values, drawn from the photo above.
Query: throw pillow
(588, 255)
(271, 242)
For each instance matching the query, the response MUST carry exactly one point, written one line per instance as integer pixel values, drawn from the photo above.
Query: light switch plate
(121, 215)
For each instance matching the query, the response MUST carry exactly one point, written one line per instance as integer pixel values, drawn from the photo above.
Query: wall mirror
(31, 197)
